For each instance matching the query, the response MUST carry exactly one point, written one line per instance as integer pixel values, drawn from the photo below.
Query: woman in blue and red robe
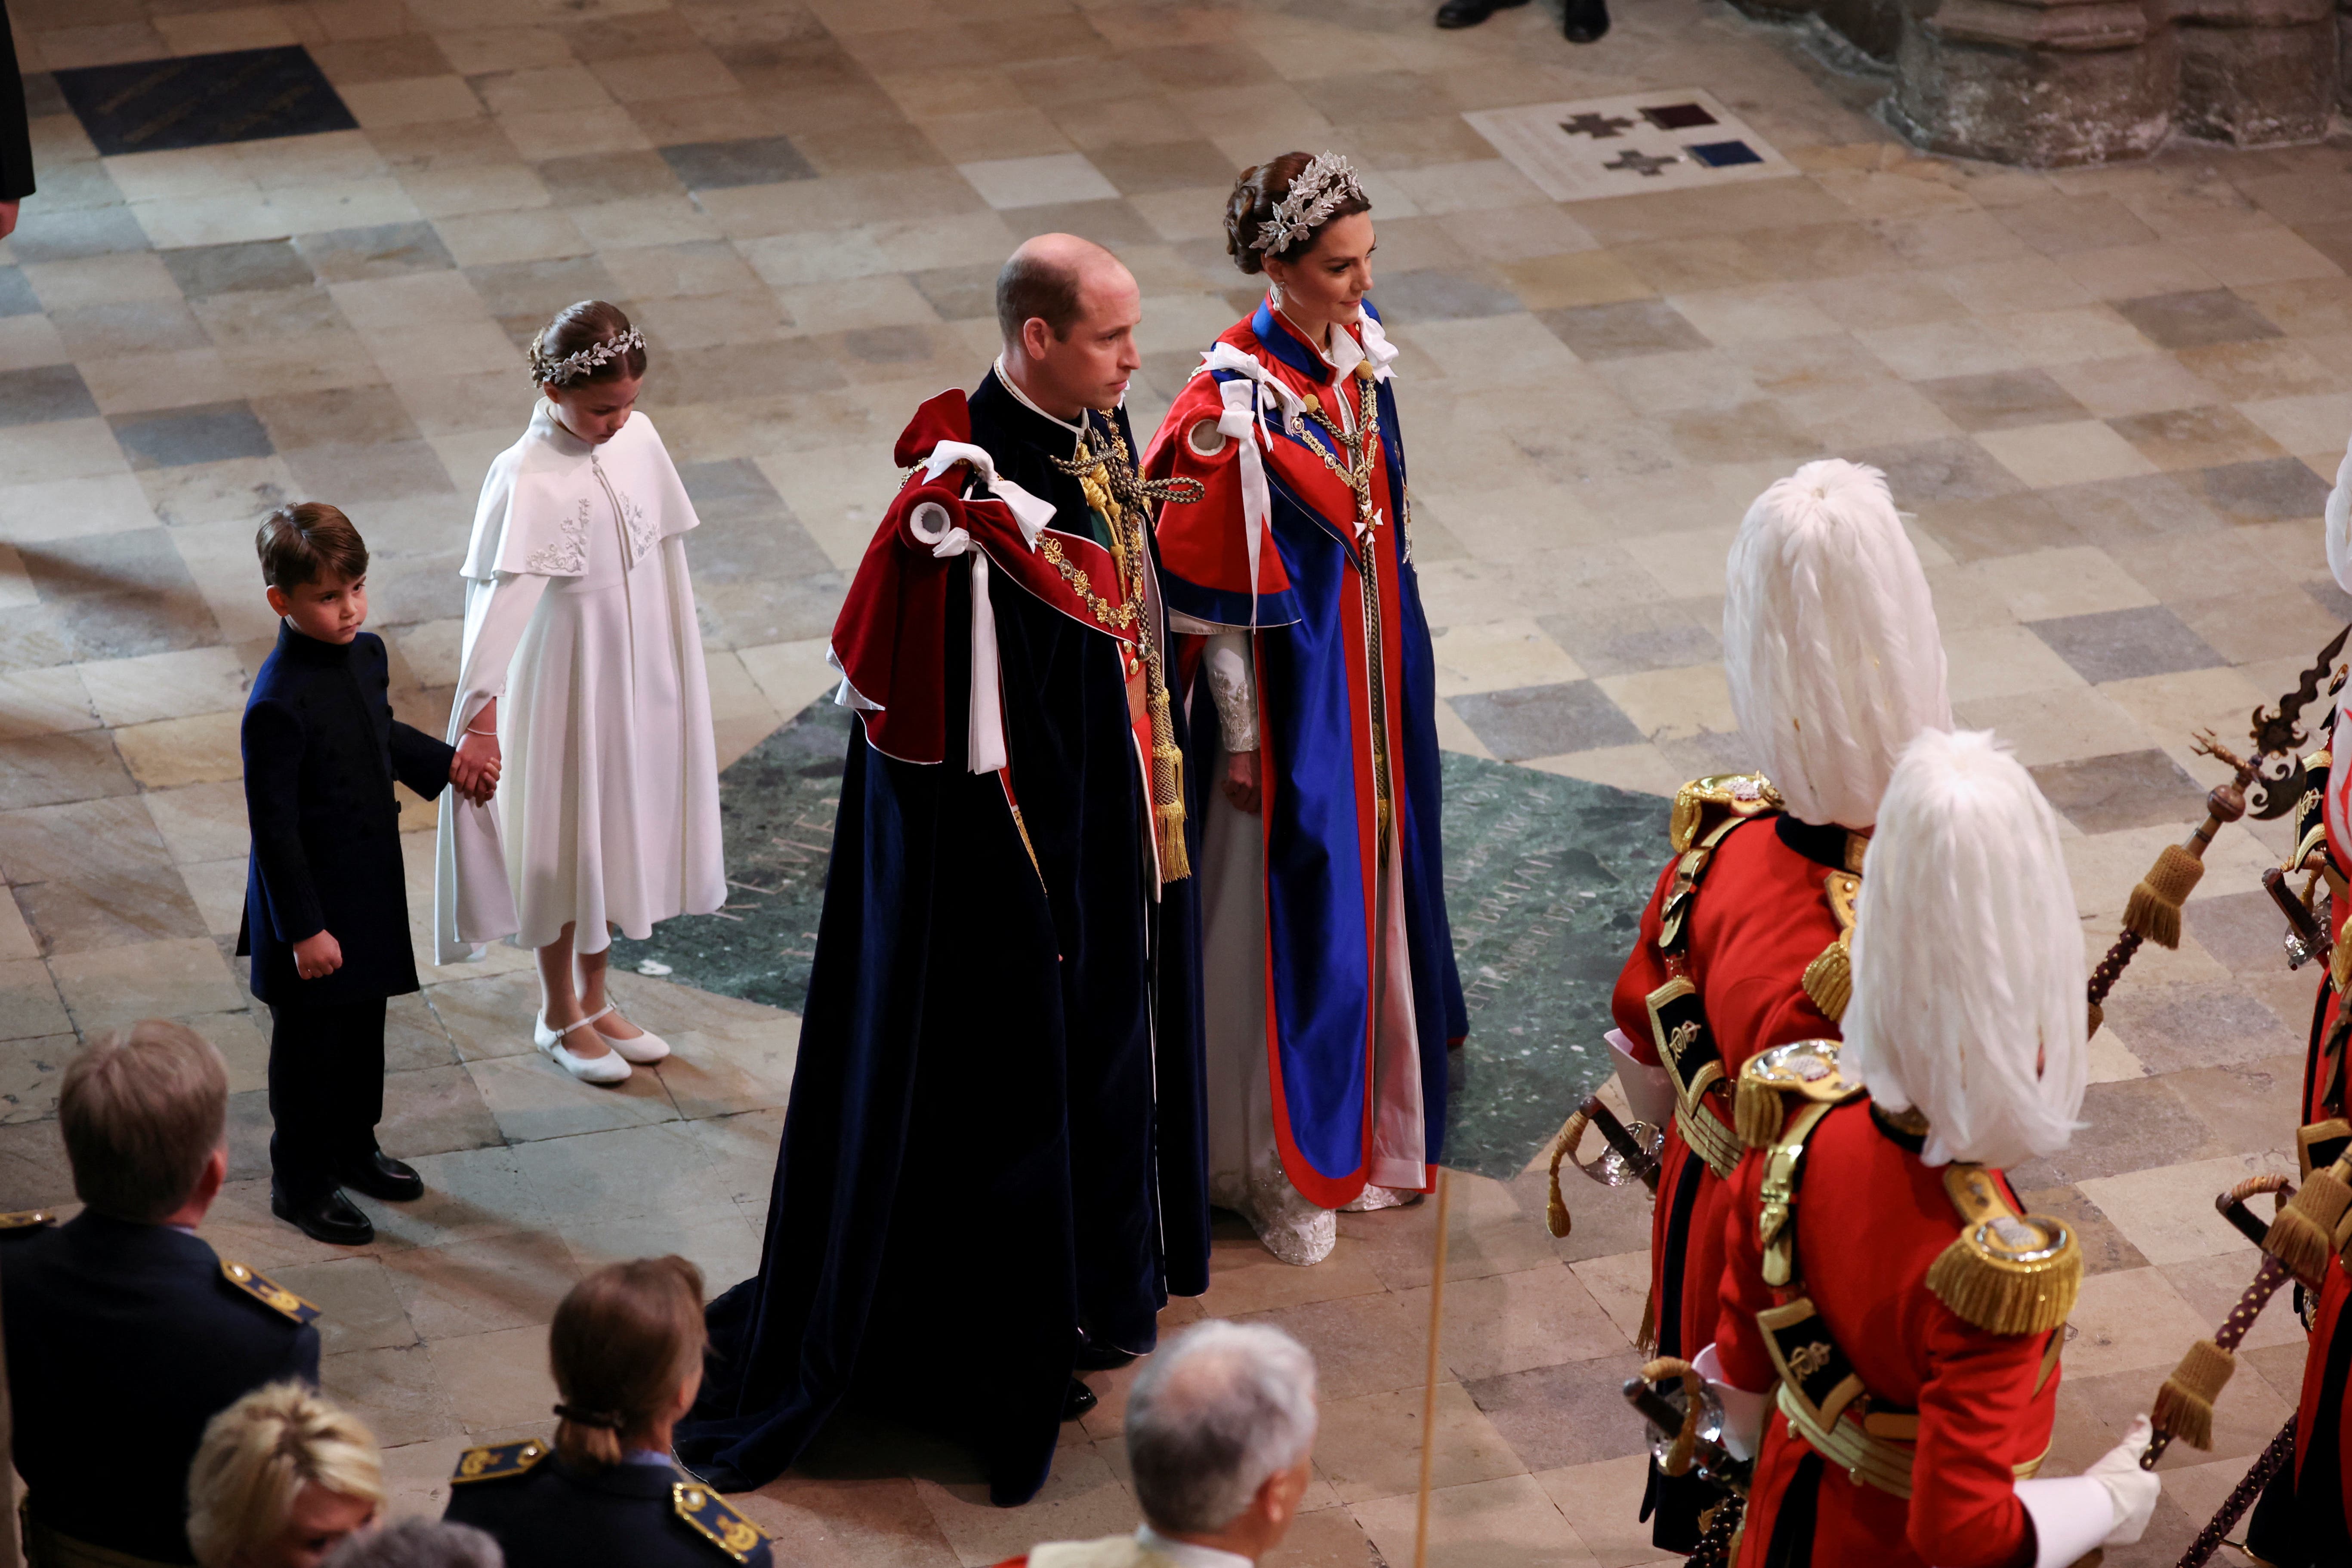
(1330, 995)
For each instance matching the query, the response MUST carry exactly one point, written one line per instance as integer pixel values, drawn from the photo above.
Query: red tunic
(1869, 1220)
(1760, 916)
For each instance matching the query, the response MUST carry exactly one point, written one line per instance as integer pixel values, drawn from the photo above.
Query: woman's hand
(1240, 783)
(476, 770)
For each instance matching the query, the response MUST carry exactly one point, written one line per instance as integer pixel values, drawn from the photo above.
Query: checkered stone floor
(2109, 399)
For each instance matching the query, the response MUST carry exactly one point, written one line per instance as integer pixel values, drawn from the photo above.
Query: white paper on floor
(1630, 145)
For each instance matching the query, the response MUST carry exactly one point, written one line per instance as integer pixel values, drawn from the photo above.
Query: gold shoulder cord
(2006, 1273)
(1124, 498)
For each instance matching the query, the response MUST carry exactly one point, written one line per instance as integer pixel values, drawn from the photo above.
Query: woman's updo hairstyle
(1250, 207)
(621, 1346)
(589, 341)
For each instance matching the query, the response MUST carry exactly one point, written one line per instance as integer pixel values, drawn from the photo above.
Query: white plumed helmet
(2340, 523)
(1968, 1000)
(1829, 643)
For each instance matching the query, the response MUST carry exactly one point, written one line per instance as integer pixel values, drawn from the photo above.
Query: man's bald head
(1049, 279)
(1069, 310)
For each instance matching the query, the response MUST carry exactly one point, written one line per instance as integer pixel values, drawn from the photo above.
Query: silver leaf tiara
(549, 372)
(1314, 195)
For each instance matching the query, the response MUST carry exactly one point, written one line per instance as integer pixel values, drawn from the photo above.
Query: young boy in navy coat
(326, 902)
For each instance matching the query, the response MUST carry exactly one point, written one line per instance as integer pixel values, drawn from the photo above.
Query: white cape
(579, 619)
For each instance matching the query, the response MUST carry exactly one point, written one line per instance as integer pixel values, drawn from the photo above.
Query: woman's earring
(1273, 292)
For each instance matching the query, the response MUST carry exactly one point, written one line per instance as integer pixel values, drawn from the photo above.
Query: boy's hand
(318, 956)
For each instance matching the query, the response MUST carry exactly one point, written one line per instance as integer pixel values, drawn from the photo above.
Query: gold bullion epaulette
(269, 1291)
(498, 1461)
(25, 1222)
(1802, 1071)
(2007, 1273)
(1828, 980)
(718, 1523)
(1703, 804)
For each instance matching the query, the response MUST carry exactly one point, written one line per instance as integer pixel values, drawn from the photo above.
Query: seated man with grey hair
(1221, 1437)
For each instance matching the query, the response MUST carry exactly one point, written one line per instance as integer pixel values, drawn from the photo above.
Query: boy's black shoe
(1470, 13)
(379, 1175)
(1094, 1355)
(1077, 1400)
(1585, 20)
(327, 1217)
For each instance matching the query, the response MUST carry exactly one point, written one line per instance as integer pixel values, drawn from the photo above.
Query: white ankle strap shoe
(608, 1068)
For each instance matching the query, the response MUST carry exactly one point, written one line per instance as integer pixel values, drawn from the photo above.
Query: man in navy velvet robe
(992, 1170)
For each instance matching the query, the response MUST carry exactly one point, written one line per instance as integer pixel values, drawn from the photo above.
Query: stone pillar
(2039, 82)
(2256, 71)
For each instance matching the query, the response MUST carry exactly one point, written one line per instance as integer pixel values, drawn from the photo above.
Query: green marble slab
(1546, 878)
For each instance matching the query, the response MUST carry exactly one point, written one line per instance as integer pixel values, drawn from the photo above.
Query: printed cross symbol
(1642, 163)
(1599, 127)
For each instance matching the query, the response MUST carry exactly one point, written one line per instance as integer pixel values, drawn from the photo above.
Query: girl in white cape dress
(582, 675)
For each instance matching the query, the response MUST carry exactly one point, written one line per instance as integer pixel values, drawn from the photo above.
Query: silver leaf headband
(1313, 196)
(549, 372)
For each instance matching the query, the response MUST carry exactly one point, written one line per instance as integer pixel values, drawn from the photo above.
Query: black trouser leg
(326, 1091)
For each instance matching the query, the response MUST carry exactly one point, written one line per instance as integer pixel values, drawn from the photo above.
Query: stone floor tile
(532, 1099)
(2050, 584)
(495, 1379)
(2193, 319)
(31, 1068)
(2105, 1249)
(1509, 1520)
(1602, 1500)
(359, 1308)
(2263, 491)
(2126, 789)
(2134, 1126)
(1620, 330)
(1534, 1317)
(169, 753)
(2131, 1321)
(1546, 720)
(107, 986)
(1369, 1447)
(2213, 1285)
(1243, 1277)
(850, 1522)
(2167, 1214)
(2002, 400)
(2084, 450)
(1361, 1344)
(512, 1281)
(400, 1389)
(1571, 1414)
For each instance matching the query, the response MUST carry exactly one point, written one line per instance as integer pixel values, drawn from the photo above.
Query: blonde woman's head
(280, 1477)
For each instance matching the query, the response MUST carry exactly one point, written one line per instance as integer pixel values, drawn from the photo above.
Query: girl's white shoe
(611, 1068)
(646, 1046)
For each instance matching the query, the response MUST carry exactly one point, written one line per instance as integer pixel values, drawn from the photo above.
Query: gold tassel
(1167, 776)
(1556, 1218)
(1677, 1458)
(2002, 1296)
(2153, 911)
(1829, 979)
(1757, 1112)
(1645, 1338)
(2184, 1406)
(2303, 1236)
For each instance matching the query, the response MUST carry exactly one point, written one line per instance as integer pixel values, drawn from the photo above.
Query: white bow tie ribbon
(1246, 399)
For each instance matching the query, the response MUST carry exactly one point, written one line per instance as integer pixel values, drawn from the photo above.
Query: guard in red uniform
(2304, 1518)
(1831, 651)
(1890, 1322)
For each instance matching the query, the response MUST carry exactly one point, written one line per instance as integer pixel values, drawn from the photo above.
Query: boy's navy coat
(322, 750)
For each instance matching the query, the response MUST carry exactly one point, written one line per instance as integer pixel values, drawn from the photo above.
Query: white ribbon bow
(1246, 396)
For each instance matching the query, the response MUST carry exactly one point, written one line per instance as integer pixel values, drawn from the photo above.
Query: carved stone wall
(2051, 83)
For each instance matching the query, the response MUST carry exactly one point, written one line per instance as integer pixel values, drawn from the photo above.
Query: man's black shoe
(1095, 1355)
(1585, 20)
(1470, 13)
(1077, 1400)
(379, 1175)
(327, 1217)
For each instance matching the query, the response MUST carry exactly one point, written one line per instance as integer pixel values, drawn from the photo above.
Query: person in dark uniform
(1581, 21)
(627, 1349)
(16, 133)
(125, 1332)
(326, 902)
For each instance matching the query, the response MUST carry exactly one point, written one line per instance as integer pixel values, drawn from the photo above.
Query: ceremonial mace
(2270, 781)
(2185, 1404)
